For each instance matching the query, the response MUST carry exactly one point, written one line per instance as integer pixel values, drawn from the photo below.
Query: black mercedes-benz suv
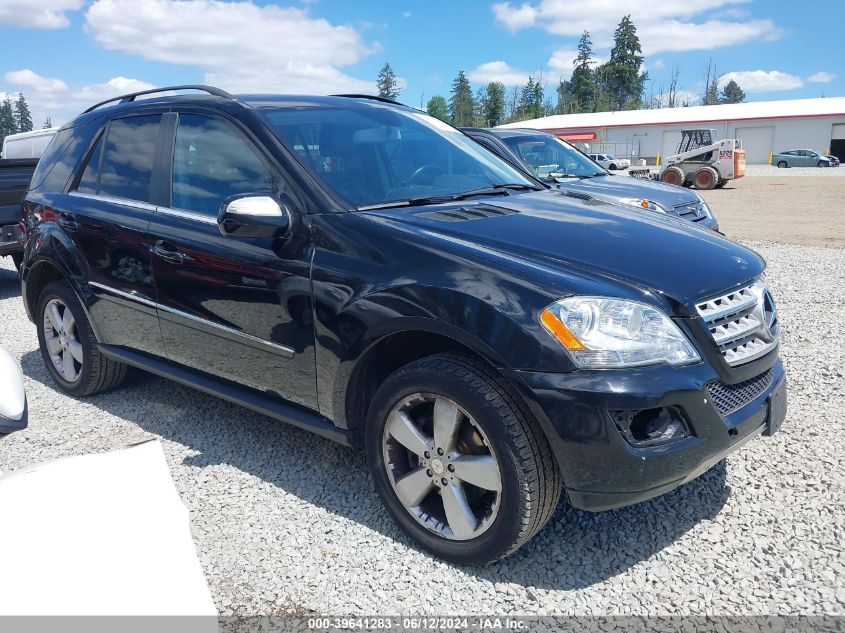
(360, 269)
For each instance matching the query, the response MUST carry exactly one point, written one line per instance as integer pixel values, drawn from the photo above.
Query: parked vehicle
(15, 175)
(609, 161)
(360, 269)
(556, 162)
(13, 409)
(27, 144)
(703, 162)
(801, 158)
(834, 160)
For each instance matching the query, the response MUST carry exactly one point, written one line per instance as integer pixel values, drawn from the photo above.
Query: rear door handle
(163, 250)
(67, 221)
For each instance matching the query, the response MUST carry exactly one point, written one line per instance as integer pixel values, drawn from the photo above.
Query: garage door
(671, 139)
(757, 143)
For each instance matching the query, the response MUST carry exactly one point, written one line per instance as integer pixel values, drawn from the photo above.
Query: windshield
(546, 155)
(372, 155)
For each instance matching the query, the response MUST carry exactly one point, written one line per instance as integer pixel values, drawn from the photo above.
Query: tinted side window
(212, 162)
(89, 182)
(127, 163)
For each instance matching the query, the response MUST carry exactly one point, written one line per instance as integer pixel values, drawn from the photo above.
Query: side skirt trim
(272, 407)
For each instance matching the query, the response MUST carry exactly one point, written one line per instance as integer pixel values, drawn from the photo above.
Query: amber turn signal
(560, 331)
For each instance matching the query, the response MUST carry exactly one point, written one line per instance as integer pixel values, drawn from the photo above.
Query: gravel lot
(285, 521)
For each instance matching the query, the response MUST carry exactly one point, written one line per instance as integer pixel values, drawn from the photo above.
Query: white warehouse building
(763, 127)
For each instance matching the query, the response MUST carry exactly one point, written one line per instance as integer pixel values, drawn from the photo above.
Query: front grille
(743, 323)
(730, 398)
(692, 211)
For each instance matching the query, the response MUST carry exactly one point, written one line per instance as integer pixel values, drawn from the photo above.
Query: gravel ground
(285, 521)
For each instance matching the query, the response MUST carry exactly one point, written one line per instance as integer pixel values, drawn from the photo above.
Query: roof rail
(373, 97)
(128, 98)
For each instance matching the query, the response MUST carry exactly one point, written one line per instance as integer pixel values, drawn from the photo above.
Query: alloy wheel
(61, 337)
(441, 467)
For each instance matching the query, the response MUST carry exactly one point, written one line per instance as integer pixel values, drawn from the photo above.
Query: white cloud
(662, 26)
(407, 14)
(38, 14)
(762, 80)
(28, 79)
(240, 46)
(54, 98)
(515, 18)
(560, 64)
(658, 64)
(822, 77)
(499, 71)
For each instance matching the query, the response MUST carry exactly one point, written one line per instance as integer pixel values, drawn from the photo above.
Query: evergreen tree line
(618, 84)
(14, 117)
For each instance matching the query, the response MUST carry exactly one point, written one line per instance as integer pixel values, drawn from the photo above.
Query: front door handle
(67, 221)
(163, 250)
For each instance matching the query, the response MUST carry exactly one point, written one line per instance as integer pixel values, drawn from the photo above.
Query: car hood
(546, 233)
(668, 196)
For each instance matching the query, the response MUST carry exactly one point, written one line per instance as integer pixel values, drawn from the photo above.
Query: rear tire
(494, 425)
(705, 178)
(672, 176)
(68, 345)
(782, 165)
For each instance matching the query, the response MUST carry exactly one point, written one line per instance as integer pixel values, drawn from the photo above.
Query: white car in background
(609, 161)
(13, 410)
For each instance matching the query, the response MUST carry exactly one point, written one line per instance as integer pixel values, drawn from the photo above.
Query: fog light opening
(651, 427)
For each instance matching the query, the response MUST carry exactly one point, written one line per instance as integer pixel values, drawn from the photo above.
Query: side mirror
(13, 410)
(253, 215)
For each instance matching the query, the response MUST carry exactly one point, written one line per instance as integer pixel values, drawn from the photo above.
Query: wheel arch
(42, 272)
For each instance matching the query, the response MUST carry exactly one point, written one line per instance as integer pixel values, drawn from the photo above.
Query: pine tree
(461, 103)
(564, 98)
(437, 107)
(479, 107)
(494, 104)
(732, 93)
(624, 78)
(23, 118)
(48, 123)
(583, 88)
(388, 85)
(7, 119)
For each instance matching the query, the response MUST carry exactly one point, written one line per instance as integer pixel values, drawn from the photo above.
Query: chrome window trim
(289, 352)
(186, 215)
(126, 202)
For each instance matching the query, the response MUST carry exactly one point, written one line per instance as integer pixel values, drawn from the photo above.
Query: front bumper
(601, 469)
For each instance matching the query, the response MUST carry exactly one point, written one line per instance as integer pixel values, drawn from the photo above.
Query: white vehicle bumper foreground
(100, 535)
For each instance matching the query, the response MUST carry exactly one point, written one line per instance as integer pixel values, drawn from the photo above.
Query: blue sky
(66, 54)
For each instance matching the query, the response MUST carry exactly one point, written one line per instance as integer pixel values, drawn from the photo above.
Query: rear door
(238, 308)
(111, 202)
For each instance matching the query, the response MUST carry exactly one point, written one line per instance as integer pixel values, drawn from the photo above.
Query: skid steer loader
(703, 163)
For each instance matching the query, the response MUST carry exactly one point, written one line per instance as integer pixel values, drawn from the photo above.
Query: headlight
(600, 333)
(643, 203)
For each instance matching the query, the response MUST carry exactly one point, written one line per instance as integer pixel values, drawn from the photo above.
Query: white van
(28, 144)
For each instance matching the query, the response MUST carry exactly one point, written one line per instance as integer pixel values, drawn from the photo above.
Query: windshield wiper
(492, 190)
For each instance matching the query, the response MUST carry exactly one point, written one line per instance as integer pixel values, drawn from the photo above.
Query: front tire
(821, 163)
(672, 176)
(613, 167)
(68, 345)
(459, 461)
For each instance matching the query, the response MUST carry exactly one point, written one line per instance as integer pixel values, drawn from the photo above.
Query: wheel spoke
(447, 418)
(414, 487)
(478, 470)
(53, 345)
(403, 430)
(75, 348)
(68, 370)
(54, 317)
(459, 515)
(68, 322)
